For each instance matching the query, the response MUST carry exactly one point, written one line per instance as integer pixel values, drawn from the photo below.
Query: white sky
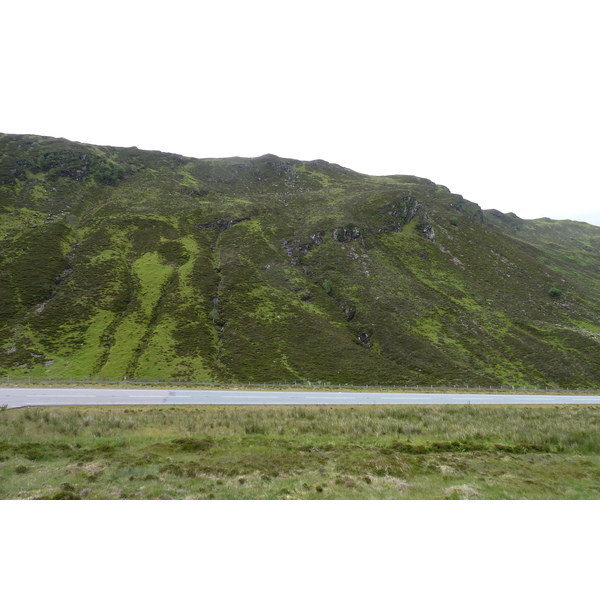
(498, 100)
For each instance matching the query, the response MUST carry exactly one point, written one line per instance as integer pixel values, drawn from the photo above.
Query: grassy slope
(122, 263)
(384, 452)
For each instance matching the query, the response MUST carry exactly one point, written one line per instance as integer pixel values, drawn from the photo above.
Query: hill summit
(120, 263)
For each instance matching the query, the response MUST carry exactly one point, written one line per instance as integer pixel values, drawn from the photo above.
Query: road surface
(22, 397)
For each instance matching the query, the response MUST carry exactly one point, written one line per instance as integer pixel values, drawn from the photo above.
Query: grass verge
(365, 452)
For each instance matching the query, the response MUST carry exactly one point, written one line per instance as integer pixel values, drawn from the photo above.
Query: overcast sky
(499, 101)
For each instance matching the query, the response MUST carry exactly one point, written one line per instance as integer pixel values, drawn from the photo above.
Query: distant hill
(117, 262)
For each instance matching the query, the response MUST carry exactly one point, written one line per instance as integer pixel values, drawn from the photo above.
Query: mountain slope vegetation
(121, 263)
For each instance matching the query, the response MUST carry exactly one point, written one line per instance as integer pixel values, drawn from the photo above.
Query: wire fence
(172, 383)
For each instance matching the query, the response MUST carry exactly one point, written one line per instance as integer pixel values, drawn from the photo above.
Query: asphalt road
(22, 397)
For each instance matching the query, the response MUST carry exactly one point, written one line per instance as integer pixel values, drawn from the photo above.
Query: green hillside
(120, 263)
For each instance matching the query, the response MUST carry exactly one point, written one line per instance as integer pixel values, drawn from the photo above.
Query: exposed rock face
(427, 230)
(365, 338)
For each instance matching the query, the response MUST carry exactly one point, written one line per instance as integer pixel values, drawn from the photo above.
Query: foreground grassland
(383, 452)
